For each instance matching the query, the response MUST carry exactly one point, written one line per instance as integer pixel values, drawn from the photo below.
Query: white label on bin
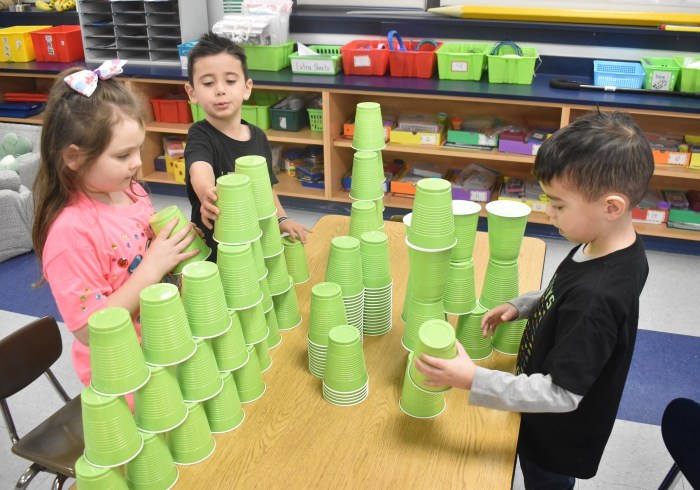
(655, 215)
(459, 66)
(480, 196)
(313, 66)
(678, 158)
(428, 139)
(661, 80)
(49, 44)
(535, 149)
(283, 122)
(361, 61)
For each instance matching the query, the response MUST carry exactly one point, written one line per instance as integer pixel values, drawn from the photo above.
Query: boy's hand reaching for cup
(208, 209)
(500, 314)
(294, 229)
(457, 372)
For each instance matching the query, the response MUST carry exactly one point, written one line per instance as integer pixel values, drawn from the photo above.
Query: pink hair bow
(85, 81)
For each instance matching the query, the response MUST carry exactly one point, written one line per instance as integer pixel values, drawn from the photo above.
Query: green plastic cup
(273, 338)
(317, 358)
(374, 251)
(435, 338)
(264, 358)
(278, 274)
(259, 260)
(224, 411)
(271, 239)
(345, 265)
(266, 296)
(416, 402)
(192, 442)
(165, 332)
(500, 283)
(229, 349)
(238, 276)
(254, 324)
(366, 181)
(369, 130)
(507, 337)
(159, 406)
(363, 218)
(407, 218)
(92, 477)
(295, 257)
(199, 376)
(249, 381)
(153, 468)
(470, 336)
(287, 309)
(345, 361)
(326, 311)
(204, 300)
(237, 222)
(407, 299)
(116, 359)
(432, 221)
(459, 297)
(255, 167)
(506, 224)
(379, 206)
(109, 430)
(466, 215)
(160, 219)
(428, 273)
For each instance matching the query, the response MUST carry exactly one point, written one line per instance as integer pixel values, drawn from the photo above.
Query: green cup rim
(505, 208)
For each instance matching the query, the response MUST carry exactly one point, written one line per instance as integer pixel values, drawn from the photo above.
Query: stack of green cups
(506, 338)
(198, 376)
(160, 219)
(327, 311)
(418, 313)
(278, 274)
(345, 269)
(432, 221)
(109, 430)
(238, 276)
(271, 239)
(165, 332)
(500, 283)
(437, 339)
(249, 381)
(254, 324)
(369, 127)
(366, 180)
(191, 442)
(230, 348)
(153, 467)
(89, 476)
(287, 309)
(407, 298)
(466, 217)
(470, 336)
(416, 402)
(204, 300)
(224, 411)
(363, 218)
(255, 167)
(459, 297)
(267, 297)
(345, 380)
(116, 359)
(295, 257)
(376, 277)
(506, 225)
(428, 272)
(237, 222)
(259, 259)
(264, 358)
(159, 406)
(273, 338)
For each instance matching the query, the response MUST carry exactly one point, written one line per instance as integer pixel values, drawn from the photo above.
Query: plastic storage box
(619, 74)
(659, 73)
(417, 60)
(288, 119)
(689, 80)
(183, 50)
(268, 58)
(256, 110)
(365, 58)
(17, 43)
(459, 61)
(59, 44)
(316, 119)
(328, 61)
(509, 63)
(172, 109)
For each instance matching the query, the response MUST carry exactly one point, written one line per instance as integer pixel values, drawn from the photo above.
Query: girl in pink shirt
(91, 227)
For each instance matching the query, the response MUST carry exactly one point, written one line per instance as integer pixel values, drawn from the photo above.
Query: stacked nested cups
(345, 269)
(376, 278)
(431, 237)
(327, 310)
(345, 380)
(160, 219)
(506, 227)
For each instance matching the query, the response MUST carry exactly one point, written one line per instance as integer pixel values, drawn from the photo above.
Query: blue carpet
(17, 295)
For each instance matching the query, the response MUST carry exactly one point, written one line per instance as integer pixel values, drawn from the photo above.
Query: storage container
(659, 73)
(461, 61)
(17, 43)
(284, 119)
(316, 119)
(60, 44)
(172, 109)
(619, 74)
(689, 79)
(256, 110)
(268, 58)
(508, 63)
(183, 50)
(365, 58)
(328, 61)
(417, 60)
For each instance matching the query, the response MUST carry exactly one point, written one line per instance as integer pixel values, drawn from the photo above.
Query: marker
(669, 27)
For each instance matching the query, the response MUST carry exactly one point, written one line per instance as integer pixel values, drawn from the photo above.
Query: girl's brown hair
(71, 118)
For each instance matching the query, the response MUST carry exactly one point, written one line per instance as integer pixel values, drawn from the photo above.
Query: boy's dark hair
(211, 44)
(598, 153)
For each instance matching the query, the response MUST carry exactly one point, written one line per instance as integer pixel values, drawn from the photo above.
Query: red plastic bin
(59, 44)
(413, 63)
(365, 58)
(172, 109)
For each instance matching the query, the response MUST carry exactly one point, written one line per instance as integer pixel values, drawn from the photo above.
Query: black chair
(680, 429)
(55, 444)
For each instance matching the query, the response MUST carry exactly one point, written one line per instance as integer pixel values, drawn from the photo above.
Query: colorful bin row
(651, 73)
(59, 44)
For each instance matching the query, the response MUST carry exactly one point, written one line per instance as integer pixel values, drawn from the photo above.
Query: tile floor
(635, 457)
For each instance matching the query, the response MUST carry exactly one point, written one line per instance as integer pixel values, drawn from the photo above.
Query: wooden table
(293, 438)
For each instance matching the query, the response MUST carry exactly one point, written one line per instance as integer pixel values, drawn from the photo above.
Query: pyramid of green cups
(203, 349)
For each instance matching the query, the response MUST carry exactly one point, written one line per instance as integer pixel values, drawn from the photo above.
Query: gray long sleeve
(526, 302)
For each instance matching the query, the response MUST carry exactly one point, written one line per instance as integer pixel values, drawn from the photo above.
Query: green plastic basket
(255, 110)
(505, 66)
(316, 119)
(328, 62)
(460, 61)
(268, 58)
(689, 79)
(197, 112)
(659, 73)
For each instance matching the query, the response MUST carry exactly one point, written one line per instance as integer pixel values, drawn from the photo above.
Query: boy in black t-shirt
(218, 81)
(577, 346)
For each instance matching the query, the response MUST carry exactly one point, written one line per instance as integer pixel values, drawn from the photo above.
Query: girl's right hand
(500, 314)
(208, 209)
(166, 251)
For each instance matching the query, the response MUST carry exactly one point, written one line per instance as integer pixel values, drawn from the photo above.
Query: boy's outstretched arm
(457, 372)
(204, 185)
(291, 227)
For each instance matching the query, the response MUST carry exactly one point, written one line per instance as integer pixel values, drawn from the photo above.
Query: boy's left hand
(457, 372)
(294, 229)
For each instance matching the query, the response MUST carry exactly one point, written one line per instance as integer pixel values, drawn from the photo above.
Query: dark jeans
(537, 478)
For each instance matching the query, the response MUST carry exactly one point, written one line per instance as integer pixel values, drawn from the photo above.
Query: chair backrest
(27, 353)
